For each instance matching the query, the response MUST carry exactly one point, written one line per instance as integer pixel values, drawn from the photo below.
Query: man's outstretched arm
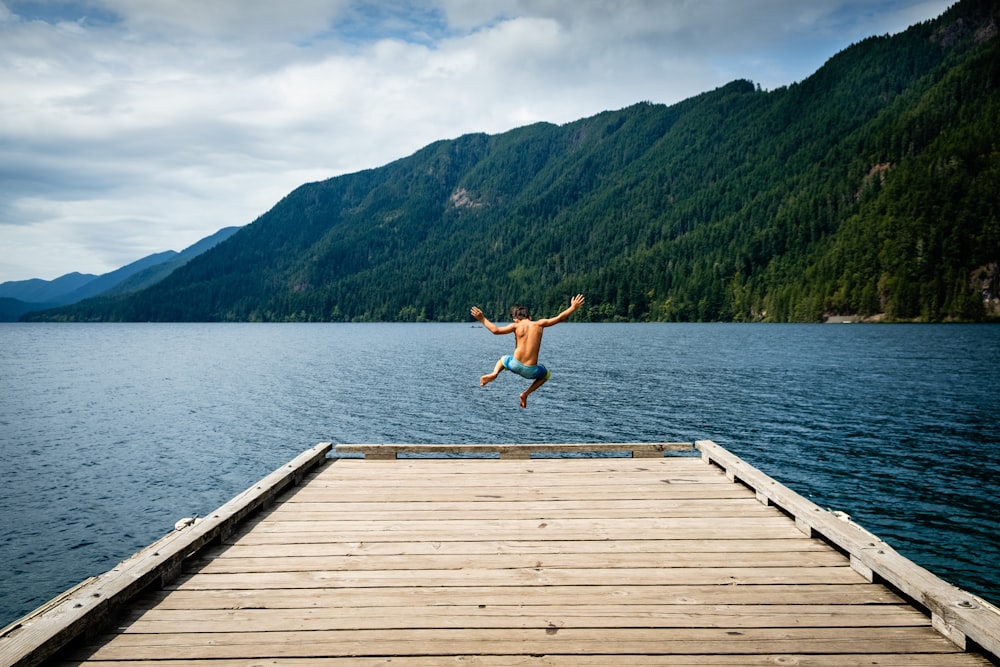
(478, 314)
(574, 303)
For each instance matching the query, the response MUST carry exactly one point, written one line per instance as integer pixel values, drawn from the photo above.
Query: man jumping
(528, 341)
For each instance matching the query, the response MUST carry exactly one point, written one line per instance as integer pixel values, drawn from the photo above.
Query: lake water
(109, 433)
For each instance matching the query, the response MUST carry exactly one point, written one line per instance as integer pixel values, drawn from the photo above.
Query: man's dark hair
(518, 312)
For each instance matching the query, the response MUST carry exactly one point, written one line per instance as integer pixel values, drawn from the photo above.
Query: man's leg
(486, 379)
(534, 385)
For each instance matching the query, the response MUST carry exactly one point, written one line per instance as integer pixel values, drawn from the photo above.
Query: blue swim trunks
(527, 372)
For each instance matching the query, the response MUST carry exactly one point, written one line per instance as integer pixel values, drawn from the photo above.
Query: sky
(129, 127)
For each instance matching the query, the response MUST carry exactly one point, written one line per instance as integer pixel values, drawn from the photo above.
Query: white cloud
(135, 126)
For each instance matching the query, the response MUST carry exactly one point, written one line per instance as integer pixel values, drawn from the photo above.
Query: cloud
(136, 126)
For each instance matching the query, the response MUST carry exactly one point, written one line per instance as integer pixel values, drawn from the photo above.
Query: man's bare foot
(524, 400)
(486, 379)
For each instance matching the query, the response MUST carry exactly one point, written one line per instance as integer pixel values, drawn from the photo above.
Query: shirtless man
(528, 340)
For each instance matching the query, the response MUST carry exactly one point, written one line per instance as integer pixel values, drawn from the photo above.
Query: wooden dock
(645, 560)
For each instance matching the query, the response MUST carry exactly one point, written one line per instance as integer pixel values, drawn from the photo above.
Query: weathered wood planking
(418, 562)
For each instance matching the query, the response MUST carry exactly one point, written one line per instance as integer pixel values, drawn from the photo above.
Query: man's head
(518, 312)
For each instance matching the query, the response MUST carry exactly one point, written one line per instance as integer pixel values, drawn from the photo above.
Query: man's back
(528, 340)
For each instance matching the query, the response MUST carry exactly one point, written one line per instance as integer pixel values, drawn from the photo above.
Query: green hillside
(871, 188)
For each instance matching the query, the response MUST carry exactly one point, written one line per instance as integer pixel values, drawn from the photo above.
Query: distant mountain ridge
(24, 296)
(869, 189)
(45, 291)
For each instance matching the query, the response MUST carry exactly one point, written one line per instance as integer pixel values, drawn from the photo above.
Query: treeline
(868, 189)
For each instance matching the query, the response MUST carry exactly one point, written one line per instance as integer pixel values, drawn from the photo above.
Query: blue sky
(129, 127)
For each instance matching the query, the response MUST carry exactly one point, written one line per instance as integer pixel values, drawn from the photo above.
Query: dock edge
(386, 451)
(955, 613)
(41, 633)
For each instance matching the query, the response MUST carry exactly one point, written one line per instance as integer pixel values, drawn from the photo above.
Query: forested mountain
(870, 188)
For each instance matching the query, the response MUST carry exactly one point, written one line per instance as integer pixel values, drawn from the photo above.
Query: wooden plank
(509, 641)
(416, 495)
(707, 510)
(646, 526)
(538, 481)
(597, 660)
(681, 467)
(658, 471)
(519, 577)
(623, 595)
(179, 621)
(231, 565)
(485, 509)
(528, 547)
(665, 512)
(444, 534)
(501, 508)
(586, 462)
(44, 631)
(518, 451)
(484, 492)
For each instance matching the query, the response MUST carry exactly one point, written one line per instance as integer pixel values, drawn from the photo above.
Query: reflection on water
(110, 433)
